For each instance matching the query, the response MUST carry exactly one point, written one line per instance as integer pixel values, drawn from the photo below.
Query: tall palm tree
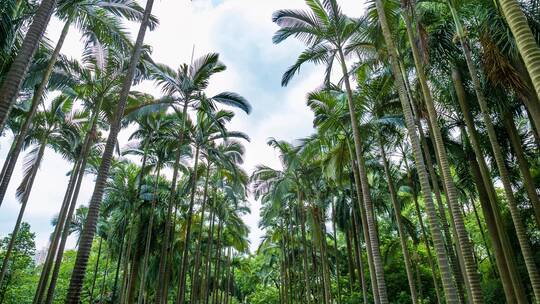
(462, 235)
(81, 262)
(185, 87)
(442, 259)
(327, 32)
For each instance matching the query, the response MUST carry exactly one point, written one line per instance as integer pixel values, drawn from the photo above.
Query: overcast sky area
(241, 32)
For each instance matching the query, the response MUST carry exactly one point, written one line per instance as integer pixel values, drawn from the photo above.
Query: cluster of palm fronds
(425, 151)
(167, 209)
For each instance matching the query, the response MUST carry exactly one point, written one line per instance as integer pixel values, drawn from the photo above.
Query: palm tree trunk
(442, 259)
(422, 228)
(338, 278)
(36, 100)
(24, 202)
(79, 271)
(96, 269)
(525, 40)
(195, 282)
(526, 250)
(162, 289)
(189, 218)
(472, 278)
(363, 222)
(205, 282)
(372, 229)
(455, 262)
(142, 287)
(304, 244)
(399, 224)
(357, 253)
(488, 186)
(350, 262)
(523, 164)
(17, 72)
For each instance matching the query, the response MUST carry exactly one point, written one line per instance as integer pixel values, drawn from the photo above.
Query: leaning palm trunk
(36, 100)
(526, 250)
(67, 222)
(488, 184)
(24, 201)
(81, 262)
(399, 224)
(464, 243)
(361, 220)
(372, 229)
(442, 259)
(205, 287)
(523, 164)
(187, 239)
(505, 258)
(17, 72)
(525, 40)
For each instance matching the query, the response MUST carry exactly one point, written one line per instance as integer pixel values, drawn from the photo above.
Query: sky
(241, 32)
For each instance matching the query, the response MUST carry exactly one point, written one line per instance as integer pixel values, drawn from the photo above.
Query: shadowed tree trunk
(17, 72)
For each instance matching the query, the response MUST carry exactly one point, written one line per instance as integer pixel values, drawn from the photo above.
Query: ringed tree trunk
(366, 195)
(17, 72)
(524, 39)
(523, 164)
(423, 230)
(509, 256)
(24, 202)
(9, 164)
(435, 225)
(399, 224)
(523, 240)
(81, 262)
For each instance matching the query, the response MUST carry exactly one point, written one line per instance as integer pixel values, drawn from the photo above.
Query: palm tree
(15, 76)
(451, 191)
(442, 259)
(526, 250)
(185, 88)
(93, 19)
(83, 253)
(51, 124)
(327, 33)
